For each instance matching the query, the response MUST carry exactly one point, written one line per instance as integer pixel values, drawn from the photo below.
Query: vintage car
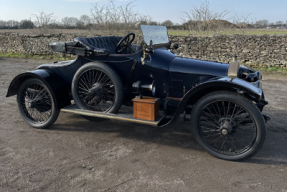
(148, 84)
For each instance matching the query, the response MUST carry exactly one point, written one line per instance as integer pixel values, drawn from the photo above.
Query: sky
(159, 10)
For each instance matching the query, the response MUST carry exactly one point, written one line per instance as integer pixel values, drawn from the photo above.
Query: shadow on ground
(273, 151)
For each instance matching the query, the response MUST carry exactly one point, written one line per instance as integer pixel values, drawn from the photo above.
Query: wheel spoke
(94, 89)
(85, 82)
(210, 114)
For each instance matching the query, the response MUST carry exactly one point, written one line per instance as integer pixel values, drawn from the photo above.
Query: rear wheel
(97, 87)
(228, 126)
(36, 104)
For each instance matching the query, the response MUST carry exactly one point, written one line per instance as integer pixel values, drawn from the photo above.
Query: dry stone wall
(263, 51)
(31, 44)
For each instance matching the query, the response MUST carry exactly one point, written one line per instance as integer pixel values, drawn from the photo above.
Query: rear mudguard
(231, 84)
(60, 91)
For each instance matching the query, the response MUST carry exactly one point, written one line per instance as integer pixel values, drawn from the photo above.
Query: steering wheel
(125, 43)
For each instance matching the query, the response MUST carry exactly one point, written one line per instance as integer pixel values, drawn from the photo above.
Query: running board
(124, 114)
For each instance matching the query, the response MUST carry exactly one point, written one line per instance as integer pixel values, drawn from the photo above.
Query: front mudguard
(219, 84)
(59, 89)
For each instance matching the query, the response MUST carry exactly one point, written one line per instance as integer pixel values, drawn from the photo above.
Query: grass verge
(37, 57)
(271, 69)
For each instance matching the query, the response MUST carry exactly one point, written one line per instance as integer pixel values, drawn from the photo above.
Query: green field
(230, 32)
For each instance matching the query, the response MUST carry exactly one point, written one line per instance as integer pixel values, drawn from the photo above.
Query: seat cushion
(95, 43)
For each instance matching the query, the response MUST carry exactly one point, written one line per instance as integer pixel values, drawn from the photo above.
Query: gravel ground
(78, 155)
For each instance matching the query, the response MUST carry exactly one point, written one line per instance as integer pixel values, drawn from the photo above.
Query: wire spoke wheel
(96, 90)
(36, 104)
(97, 87)
(228, 126)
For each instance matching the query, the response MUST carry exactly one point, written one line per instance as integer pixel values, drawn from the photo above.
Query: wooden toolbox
(146, 108)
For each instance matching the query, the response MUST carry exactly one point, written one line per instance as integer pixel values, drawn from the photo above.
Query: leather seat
(92, 43)
(104, 45)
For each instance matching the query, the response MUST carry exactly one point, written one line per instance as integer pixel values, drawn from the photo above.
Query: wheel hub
(226, 126)
(97, 90)
(224, 131)
(31, 104)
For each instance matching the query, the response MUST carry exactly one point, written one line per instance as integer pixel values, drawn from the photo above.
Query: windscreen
(158, 34)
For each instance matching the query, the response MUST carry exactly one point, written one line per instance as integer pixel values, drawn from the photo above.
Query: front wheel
(36, 104)
(228, 126)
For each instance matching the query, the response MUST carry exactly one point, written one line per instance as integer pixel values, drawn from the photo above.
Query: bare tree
(2, 24)
(242, 23)
(70, 22)
(44, 21)
(262, 23)
(153, 23)
(65, 22)
(143, 22)
(12, 24)
(201, 19)
(26, 24)
(80, 25)
(167, 23)
(85, 19)
(279, 23)
(116, 18)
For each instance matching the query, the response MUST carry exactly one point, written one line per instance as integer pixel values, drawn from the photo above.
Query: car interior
(105, 45)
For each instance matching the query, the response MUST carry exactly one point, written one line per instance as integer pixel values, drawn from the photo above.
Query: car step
(124, 114)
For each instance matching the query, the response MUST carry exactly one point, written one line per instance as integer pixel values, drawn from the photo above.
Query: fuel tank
(185, 73)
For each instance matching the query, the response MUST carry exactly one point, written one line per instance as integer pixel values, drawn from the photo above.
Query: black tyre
(36, 104)
(228, 126)
(97, 87)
